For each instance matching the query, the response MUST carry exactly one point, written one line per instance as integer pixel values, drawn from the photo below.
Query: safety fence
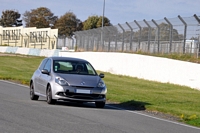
(168, 35)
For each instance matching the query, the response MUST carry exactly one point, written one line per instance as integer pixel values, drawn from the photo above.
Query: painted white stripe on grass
(153, 117)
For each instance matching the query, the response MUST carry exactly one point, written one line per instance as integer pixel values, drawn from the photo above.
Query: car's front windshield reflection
(73, 67)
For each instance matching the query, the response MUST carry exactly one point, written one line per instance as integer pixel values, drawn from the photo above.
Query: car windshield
(73, 67)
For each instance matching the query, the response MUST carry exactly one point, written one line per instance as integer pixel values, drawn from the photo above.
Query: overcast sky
(118, 11)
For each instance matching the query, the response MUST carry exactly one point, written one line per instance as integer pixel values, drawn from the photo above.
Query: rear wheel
(100, 104)
(32, 93)
(49, 96)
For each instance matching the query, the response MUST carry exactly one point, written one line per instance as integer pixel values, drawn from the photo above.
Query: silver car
(71, 79)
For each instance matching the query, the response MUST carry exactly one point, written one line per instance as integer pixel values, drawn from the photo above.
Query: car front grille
(83, 87)
(82, 96)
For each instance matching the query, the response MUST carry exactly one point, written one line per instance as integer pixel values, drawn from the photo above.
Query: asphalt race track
(18, 114)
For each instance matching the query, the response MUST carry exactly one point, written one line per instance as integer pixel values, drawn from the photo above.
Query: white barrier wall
(134, 65)
(30, 51)
(144, 67)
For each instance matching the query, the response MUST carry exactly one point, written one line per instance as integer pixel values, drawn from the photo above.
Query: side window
(42, 64)
(90, 69)
(48, 65)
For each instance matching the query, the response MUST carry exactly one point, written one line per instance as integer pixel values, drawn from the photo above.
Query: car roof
(67, 58)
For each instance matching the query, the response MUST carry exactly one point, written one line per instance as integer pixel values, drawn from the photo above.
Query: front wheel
(100, 104)
(32, 93)
(49, 96)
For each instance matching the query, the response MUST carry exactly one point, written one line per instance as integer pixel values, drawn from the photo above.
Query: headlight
(61, 81)
(101, 84)
(104, 91)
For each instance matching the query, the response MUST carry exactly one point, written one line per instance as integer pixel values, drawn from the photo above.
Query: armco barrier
(145, 67)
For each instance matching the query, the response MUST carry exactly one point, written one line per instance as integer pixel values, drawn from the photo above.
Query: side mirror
(101, 75)
(45, 71)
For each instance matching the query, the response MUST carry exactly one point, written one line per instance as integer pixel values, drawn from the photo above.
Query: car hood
(81, 80)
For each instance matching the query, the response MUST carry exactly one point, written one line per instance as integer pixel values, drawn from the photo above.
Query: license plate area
(83, 91)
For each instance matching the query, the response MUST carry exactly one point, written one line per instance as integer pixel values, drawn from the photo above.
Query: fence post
(76, 37)
(185, 32)
(109, 34)
(158, 34)
(56, 41)
(197, 18)
(139, 38)
(8, 38)
(122, 37)
(88, 41)
(21, 39)
(116, 36)
(131, 35)
(92, 39)
(95, 39)
(83, 39)
(14, 36)
(49, 41)
(102, 39)
(149, 34)
(41, 39)
(27, 40)
(171, 34)
(1, 39)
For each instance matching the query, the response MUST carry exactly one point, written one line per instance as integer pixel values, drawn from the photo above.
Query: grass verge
(179, 101)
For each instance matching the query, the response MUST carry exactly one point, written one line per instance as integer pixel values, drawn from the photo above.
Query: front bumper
(69, 93)
(81, 97)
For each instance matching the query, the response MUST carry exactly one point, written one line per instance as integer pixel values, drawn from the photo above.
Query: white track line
(153, 117)
(14, 83)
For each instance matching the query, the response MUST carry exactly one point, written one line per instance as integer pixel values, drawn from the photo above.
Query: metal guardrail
(173, 35)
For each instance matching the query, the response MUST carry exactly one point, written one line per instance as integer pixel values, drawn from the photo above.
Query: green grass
(18, 68)
(177, 56)
(180, 101)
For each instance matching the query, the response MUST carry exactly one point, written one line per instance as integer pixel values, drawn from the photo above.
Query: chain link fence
(173, 35)
(66, 43)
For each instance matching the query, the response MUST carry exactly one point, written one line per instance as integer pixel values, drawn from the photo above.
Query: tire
(100, 104)
(32, 93)
(49, 96)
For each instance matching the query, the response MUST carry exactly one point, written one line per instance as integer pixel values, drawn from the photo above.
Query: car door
(37, 75)
(44, 78)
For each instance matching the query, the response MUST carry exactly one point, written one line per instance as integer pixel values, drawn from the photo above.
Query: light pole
(103, 13)
(102, 23)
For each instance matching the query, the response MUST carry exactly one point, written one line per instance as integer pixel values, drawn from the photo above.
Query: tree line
(42, 17)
